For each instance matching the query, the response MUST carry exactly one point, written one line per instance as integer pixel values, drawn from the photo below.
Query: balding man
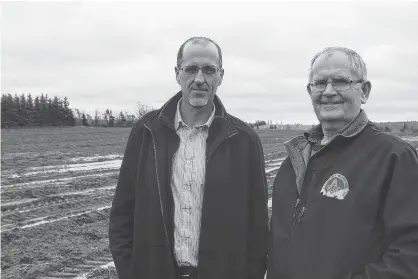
(345, 201)
(191, 199)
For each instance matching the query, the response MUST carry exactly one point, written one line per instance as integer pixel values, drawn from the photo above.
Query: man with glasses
(191, 199)
(345, 200)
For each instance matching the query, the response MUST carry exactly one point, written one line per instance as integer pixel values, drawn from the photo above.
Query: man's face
(337, 105)
(199, 85)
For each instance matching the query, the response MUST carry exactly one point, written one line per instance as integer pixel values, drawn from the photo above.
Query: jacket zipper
(170, 177)
(159, 191)
(295, 210)
(204, 187)
(299, 209)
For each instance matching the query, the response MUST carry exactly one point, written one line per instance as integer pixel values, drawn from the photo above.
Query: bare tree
(77, 113)
(96, 117)
(89, 119)
(142, 110)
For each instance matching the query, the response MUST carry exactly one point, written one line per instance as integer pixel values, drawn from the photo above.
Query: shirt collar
(178, 120)
(316, 134)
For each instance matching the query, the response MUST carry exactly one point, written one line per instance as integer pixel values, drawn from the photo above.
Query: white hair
(355, 60)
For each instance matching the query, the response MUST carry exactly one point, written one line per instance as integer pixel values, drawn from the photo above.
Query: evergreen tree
(37, 111)
(96, 118)
(30, 110)
(7, 107)
(111, 119)
(85, 123)
(122, 119)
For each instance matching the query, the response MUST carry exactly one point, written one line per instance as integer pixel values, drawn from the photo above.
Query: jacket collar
(178, 120)
(316, 134)
(300, 147)
(166, 114)
(222, 126)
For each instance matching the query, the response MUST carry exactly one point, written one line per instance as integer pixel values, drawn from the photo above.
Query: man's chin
(198, 102)
(334, 115)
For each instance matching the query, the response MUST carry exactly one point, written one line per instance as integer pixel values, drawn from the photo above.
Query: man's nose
(329, 90)
(199, 79)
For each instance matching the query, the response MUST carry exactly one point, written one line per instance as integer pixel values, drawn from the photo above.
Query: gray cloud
(112, 55)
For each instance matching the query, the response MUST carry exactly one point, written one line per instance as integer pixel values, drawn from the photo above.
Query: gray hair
(355, 60)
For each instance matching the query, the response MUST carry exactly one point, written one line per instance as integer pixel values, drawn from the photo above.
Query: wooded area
(26, 111)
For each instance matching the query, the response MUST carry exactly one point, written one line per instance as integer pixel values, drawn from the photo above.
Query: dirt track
(57, 187)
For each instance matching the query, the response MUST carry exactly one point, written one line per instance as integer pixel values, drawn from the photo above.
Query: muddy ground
(56, 189)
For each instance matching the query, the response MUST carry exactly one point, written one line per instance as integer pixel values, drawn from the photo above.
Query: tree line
(31, 111)
(26, 111)
(109, 119)
(19, 111)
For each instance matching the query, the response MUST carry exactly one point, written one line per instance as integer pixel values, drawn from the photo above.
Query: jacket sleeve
(258, 212)
(122, 212)
(400, 216)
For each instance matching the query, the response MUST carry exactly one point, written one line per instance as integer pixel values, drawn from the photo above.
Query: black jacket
(234, 225)
(370, 233)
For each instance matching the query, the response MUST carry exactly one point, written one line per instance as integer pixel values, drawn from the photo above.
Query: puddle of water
(275, 160)
(63, 218)
(102, 208)
(85, 275)
(113, 164)
(111, 264)
(411, 138)
(274, 165)
(55, 181)
(95, 158)
(82, 167)
(83, 191)
(272, 169)
(8, 174)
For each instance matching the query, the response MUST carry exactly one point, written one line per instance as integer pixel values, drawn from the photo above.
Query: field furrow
(57, 186)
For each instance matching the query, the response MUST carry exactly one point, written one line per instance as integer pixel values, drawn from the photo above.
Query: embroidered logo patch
(336, 187)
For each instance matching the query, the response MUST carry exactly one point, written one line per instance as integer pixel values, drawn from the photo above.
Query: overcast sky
(113, 55)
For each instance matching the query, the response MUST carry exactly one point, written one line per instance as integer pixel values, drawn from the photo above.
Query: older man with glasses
(191, 199)
(345, 201)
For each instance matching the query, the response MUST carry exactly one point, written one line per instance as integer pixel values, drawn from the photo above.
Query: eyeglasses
(192, 70)
(338, 84)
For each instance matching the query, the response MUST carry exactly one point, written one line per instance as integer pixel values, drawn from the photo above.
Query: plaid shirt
(189, 167)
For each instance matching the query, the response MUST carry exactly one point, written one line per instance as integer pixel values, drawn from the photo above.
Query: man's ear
(308, 88)
(367, 87)
(221, 74)
(177, 71)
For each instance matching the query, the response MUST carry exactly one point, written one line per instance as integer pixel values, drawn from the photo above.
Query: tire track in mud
(61, 181)
(37, 210)
(54, 198)
(105, 264)
(71, 205)
(64, 205)
(85, 232)
(84, 269)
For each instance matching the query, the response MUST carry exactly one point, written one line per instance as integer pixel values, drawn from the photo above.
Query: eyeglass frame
(201, 69)
(351, 82)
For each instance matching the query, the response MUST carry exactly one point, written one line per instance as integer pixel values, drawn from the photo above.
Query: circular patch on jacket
(336, 187)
